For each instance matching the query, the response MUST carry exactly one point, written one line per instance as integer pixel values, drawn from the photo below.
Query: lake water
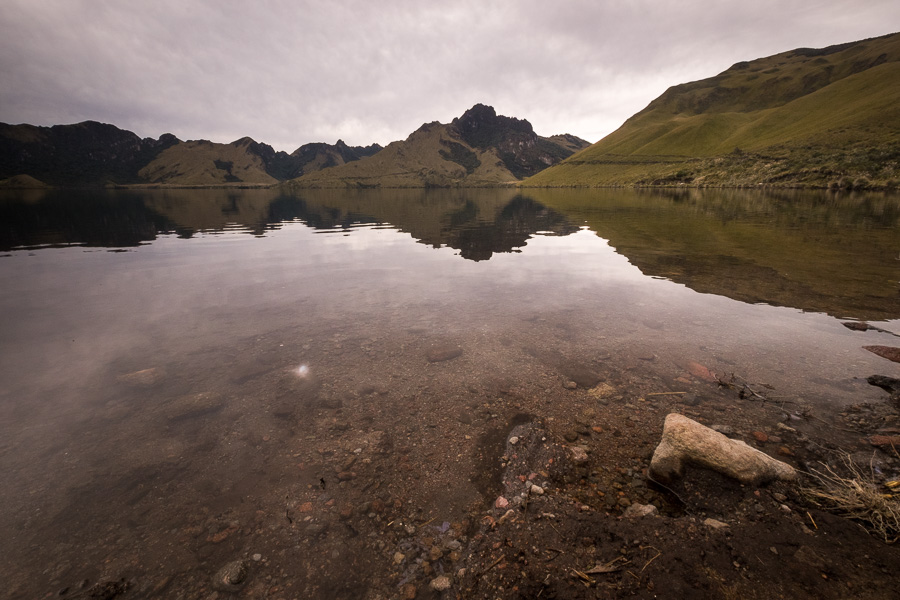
(183, 371)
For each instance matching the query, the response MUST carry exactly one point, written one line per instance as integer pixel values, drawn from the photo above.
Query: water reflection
(815, 251)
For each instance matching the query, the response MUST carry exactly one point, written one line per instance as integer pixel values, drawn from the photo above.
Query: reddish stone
(700, 372)
(785, 451)
(760, 436)
(888, 352)
(306, 507)
(885, 440)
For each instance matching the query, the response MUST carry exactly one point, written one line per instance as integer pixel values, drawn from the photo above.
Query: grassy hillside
(833, 253)
(808, 117)
(206, 163)
(479, 149)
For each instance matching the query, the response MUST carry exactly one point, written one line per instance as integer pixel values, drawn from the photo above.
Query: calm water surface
(170, 360)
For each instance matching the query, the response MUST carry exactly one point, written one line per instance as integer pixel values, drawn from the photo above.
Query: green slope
(800, 118)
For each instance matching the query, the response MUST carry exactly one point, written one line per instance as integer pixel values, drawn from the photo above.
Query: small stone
(579, 455)
(435, 553)
(536, 489)
(723, 429)
(571, 436)
(409, 591)
(143, 378)
(785, 508)
(885, 440)
(443, 353)
(440, 584)
(760, 436)
(785, 451)
(715, 524)
(570, 385)
(399, 557)
(501, 502)
(640, 510)
(779, 497)
(514, 440)
(257, 557)
(231, 577)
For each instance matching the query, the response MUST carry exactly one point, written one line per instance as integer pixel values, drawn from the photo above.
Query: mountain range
(479, 148)
(91, 154)
(824, 117)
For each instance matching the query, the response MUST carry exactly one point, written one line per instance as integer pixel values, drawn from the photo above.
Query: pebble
(257, 557)
(723, 429)
(536, 489)
(514, 440)
(501, 502)
(440, 584)
(715, 524)
(443, 353)
(399, 557)
(641, 510)
(571, 385)
(760, 436)
(231, 577)
(579, 455)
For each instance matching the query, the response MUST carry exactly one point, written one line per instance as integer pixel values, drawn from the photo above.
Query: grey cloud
(292, 72)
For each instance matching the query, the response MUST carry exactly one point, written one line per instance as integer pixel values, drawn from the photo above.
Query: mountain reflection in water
(816, 251)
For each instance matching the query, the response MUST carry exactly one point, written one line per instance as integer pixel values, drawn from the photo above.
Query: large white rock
(685, 441)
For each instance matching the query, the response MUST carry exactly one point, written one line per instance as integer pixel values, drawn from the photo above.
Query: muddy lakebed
(437, 394)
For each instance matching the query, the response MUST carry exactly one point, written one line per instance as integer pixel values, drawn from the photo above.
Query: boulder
(685, 441)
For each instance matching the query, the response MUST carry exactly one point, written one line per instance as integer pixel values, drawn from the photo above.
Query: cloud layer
(292, 72)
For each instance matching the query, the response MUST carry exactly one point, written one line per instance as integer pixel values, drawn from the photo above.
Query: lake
(191, 377)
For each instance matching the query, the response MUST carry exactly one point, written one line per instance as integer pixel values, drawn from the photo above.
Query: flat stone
(715, 524)
(885, 440)
(699, 371)
(440, 584)
(443, 353)
(640, 510)
(684, 441)
(144, 377)
(891, 353)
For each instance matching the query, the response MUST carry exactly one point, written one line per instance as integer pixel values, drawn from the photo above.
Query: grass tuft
(855, 494)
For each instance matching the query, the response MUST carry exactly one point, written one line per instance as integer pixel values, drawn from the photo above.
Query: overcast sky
(291, 72)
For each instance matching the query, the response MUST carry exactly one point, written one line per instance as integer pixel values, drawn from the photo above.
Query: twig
(582, 576)
(658, 554)
(812, 520)
(493, 564)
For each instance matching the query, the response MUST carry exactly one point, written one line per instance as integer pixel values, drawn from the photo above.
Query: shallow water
(168, 357)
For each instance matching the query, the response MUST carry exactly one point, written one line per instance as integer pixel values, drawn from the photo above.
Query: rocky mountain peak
(481, 126)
